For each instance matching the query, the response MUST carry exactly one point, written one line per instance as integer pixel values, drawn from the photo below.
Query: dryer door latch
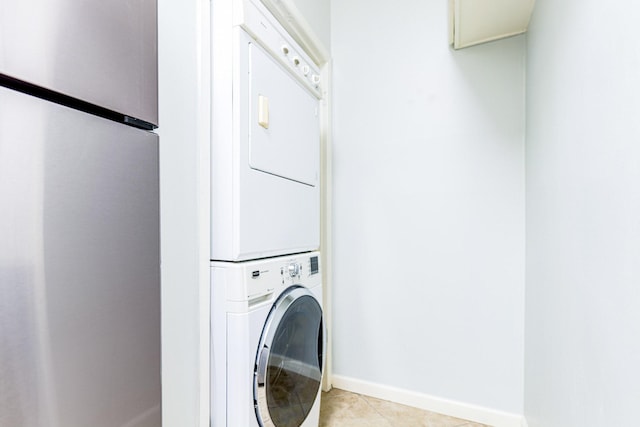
(263, 111)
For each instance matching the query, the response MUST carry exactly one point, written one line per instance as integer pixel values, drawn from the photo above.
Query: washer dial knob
(294, 269)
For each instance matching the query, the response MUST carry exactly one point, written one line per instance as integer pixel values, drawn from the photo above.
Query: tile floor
(341, 408)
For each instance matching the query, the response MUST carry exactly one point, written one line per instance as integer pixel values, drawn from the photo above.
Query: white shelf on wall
(478, 21)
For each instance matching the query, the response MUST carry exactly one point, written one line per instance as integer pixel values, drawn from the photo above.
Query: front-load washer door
(289, 361)
(284, 131)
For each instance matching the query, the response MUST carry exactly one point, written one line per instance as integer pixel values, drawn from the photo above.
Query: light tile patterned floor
(341, 408)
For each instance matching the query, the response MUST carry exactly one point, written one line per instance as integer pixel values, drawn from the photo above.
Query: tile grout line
(375, 410)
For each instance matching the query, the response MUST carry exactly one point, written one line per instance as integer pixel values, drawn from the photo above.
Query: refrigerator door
(79, 269)
(102, 52)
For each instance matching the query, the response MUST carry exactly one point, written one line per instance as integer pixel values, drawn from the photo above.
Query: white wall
(318, 15)
(184, 184)
(428, 205)
(583, 215)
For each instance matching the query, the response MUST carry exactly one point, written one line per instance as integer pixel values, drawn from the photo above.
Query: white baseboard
(452, 408)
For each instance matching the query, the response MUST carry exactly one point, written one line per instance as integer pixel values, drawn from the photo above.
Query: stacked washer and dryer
(267, 329)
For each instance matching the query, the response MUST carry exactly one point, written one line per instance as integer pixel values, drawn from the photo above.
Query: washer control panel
(299, 268)
(258, 281)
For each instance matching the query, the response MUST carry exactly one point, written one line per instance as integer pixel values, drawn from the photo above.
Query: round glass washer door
(289, 360)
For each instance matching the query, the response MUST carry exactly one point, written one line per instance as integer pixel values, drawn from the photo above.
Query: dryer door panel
(284, 130)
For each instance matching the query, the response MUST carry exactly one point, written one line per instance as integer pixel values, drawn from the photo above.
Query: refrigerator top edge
(101, 53)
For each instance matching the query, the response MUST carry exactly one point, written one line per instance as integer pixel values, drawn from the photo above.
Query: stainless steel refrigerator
(79, 214)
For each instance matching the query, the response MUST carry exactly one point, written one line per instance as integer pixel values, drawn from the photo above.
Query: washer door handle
(263, 360)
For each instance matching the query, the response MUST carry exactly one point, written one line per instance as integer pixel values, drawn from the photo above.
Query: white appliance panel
(284, 132)
(241, 303)
(275, 216)
(257, 214)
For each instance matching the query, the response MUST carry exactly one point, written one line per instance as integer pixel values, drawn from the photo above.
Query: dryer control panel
(273, 37)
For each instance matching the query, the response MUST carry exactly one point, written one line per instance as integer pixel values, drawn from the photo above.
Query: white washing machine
(268, 342)
(265, 137)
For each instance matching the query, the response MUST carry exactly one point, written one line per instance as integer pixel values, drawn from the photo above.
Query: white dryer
(268, 342)
(265, 137)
